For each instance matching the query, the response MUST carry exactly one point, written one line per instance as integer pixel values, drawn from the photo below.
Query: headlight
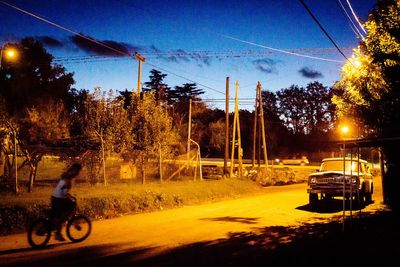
(313, 180)
(354, 180)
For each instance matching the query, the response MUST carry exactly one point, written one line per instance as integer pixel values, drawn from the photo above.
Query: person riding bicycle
(63, 204)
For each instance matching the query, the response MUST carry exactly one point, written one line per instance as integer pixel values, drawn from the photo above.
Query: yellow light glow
(10, 53)
(345, 129)
(357, 63)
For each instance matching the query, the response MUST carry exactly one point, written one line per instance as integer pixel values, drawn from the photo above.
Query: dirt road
(140, 236)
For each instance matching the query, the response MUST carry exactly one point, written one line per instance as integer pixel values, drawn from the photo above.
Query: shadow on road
(365, 242)
(98, 255)
(243, 220)
(370, 240)
(332, 206)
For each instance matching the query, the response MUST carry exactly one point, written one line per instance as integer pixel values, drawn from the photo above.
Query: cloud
(50, 41)
(265, 65)
(310, 73)
(153, 48)
(180, 55)
(94, 48)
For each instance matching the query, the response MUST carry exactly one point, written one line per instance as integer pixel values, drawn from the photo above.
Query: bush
(275, 176)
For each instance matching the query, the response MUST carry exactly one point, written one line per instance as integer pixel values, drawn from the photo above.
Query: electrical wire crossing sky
(275, 42)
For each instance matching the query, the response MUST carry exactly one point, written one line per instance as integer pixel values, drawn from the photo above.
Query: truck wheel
(368, 196)
(360, 197)
(313, 199)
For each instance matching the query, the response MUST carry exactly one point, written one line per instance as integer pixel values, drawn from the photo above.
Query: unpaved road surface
(134, 239)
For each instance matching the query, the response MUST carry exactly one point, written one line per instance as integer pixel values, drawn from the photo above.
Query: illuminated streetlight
(9, 53)
(344, 130)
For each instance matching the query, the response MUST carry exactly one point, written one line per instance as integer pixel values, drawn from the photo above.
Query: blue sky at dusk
(195, 41)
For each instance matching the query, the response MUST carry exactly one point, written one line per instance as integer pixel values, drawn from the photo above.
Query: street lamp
(7, 52)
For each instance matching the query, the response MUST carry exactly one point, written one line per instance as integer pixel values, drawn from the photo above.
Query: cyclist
(63, 204)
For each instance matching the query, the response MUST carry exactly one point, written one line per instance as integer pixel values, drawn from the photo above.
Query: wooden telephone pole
(236, 127)
(226, 128)
(140, 59)
(259, 116)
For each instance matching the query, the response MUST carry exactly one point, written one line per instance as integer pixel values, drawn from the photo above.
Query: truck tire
(312, 199)
(368, 196)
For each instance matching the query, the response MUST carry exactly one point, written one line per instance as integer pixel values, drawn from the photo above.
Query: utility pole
(262, 126)
(226, 128)
(253, 158)
(140, 60)
(189, 132)
(236, 127)
(259, 132)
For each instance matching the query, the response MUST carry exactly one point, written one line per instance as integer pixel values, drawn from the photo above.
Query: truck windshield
(337, 165)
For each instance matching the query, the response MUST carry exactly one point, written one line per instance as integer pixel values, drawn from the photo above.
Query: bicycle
(39, 232)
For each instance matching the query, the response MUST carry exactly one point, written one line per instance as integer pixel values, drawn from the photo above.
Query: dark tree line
(298, 119)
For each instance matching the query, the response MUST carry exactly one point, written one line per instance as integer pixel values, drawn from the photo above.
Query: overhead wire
(100, 43)
(191, 55)
(344, 11)
(323, 30)
(279, 50)
(65, 29)
(356, 17)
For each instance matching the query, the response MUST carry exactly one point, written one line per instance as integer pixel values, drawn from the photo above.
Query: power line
(324, 31)
(193, 54)
(344, 11)
(278, 50)
(65, 29)
(356, 17)
(100, 43)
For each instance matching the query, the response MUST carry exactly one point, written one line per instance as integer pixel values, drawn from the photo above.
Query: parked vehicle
(294, 161)
(333, 173)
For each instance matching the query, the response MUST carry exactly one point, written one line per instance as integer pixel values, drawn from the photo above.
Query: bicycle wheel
(79, 228)
(39, 233)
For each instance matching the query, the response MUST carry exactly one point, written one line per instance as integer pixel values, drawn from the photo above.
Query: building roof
(368, 142)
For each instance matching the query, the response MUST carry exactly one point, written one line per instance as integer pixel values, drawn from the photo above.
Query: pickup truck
(333, 173)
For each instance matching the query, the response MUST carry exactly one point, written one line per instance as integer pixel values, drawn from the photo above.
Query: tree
(319, 108)
(126, 97)
(8, 142)
(29, 88)
(33, 79)
(157, 85)
(151, 132)
(103, 117)
(217, 139)
(369, 88)
(276, 132)
(292, 105)
(181, 95)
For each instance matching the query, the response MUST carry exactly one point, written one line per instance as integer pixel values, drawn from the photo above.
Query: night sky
(191, 41)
